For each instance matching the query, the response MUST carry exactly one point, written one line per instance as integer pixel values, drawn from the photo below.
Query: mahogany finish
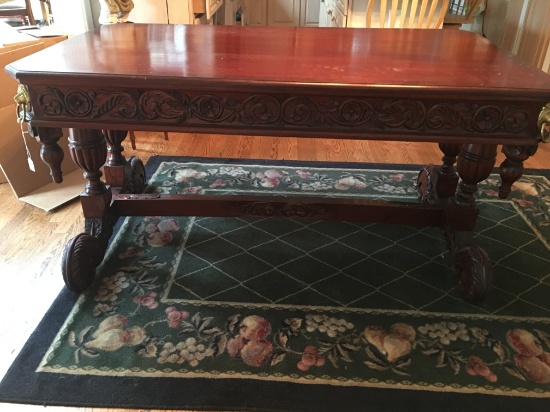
(393, 84)
(445, 86)
(290, 207)
(179, 54)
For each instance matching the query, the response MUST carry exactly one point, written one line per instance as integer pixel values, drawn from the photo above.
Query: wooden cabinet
(172, 11)
(255, 13)
(521, 27)
(209, 7)
(179, 11)
(162, 11)
(281, 13)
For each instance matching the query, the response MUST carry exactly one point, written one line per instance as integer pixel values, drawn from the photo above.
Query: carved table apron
(445, 86)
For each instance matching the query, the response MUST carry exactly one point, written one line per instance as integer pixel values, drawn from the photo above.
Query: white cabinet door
(283, 13)
(330, 15)
(255, 13)
(338, 19)
(342, 5)
(323, 16)
(309, 13)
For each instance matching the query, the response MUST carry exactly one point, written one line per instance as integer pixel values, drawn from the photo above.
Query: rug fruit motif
(316, 302)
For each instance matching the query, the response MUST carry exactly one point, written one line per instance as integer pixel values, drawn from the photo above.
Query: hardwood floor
(32, 241)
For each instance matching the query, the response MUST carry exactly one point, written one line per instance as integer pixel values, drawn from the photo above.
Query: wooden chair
(461, 12)
(18, 8)
(420, 14)
(133, 138)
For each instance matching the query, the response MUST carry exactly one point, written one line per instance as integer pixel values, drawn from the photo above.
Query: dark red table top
(373, 58)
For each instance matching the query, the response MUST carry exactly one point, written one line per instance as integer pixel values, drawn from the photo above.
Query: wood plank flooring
(32, 241)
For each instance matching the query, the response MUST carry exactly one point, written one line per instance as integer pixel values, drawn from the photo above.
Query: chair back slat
(441, 16)
(432, 12)
(393, 14)
(383, 7)
(406, 13)
(412, 13)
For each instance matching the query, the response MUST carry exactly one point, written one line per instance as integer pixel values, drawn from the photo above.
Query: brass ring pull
(544, 124)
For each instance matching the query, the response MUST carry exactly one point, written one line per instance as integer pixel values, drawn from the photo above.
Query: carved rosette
(364, 114)
(481, 119)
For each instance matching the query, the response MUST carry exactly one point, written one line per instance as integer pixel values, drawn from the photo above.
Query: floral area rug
(272, 314)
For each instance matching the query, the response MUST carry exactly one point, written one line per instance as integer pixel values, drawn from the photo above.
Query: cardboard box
(36, 187)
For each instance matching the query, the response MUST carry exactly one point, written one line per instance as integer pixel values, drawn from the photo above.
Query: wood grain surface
(277, 55)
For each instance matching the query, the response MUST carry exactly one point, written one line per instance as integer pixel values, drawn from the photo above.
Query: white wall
(72, 16)
(95, 7)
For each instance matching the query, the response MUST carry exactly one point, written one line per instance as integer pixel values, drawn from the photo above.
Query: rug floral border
(498, 355)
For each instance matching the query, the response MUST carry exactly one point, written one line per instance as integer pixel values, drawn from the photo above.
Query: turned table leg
(51, 153)
(447, 179)
(85, 252)
(129, 174)
(475, 163)
(114, 168)
(512, 168)
(471, 262)
(439, 183)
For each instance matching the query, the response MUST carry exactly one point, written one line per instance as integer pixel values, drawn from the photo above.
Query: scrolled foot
(81, 257)
(475, 273)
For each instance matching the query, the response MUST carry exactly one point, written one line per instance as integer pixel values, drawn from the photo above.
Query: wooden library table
(446, 86)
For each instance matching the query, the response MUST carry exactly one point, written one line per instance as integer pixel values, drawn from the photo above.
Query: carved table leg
(85, 252)
(475, 163)
(443, 179)
(119, 172)
(114, 168)
(51, 153)
(512, 168)
(447, 179)
(471, 263)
